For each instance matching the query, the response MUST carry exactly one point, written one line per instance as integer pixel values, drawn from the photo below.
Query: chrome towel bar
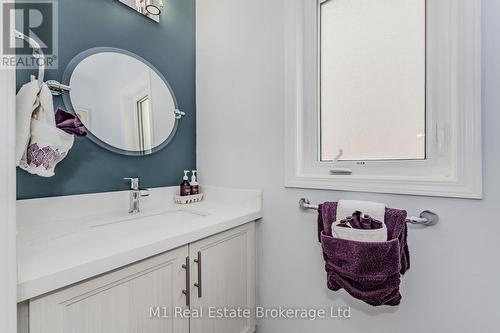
(427, 218)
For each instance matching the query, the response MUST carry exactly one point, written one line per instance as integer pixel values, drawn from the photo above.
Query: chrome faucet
(135, 195)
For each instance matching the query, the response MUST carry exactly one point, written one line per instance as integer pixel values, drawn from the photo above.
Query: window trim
(459, 92)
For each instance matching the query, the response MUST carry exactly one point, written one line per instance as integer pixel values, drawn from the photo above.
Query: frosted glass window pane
(373, 79)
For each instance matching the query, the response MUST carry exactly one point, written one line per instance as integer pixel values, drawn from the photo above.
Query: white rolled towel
(360, 235)
(345, 208)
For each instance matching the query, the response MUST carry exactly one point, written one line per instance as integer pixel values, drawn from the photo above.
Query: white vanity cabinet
(223, 279)
(143, 297)
(117, 302)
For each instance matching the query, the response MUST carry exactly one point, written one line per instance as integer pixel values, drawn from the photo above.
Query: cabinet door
(226, 275)
(134, 299)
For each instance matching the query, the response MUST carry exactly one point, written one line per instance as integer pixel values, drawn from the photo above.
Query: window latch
(339, 171)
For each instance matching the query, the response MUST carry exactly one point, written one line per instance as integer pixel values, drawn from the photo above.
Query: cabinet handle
(198, 285)
(188, 283)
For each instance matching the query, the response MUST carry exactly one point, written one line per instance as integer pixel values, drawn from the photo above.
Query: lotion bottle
(195, 187)
(185, 186)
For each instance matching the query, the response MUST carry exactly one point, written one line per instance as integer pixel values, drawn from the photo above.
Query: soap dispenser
(195, 188)
(185, 186)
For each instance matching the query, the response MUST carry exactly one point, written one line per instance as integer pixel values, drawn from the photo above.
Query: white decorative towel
(48, 145)
(360, 235)
(345, 208)
(26, 103)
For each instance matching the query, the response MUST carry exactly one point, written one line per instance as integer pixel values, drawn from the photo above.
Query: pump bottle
(185, 186)
(195, 187)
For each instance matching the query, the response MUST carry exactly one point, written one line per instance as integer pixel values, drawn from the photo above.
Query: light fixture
(154, 7)
(148, 8)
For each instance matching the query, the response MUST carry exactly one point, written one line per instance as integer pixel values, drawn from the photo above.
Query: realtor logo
(36, 20)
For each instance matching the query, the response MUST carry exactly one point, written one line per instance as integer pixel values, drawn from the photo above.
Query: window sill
(470, 188)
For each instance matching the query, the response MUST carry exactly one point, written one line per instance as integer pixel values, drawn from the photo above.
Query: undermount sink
(178, 215)
(65, 240)
(60, 229)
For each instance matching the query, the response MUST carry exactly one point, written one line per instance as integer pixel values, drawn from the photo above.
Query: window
(393, 84)
(372, 75)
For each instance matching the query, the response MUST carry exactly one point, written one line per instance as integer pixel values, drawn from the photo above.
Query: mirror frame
(69, 106)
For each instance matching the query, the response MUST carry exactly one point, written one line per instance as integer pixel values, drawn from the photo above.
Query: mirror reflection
(123, 102)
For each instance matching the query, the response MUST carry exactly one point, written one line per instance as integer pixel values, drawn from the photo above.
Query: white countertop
(65, 240)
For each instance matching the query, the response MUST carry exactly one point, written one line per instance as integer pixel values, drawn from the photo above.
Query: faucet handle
(134, 183)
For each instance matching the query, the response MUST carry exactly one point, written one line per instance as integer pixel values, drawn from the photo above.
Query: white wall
(453, 283)
(8, 276)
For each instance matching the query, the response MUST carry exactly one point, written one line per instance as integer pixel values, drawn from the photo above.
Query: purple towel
(69, 123)
(370, 272)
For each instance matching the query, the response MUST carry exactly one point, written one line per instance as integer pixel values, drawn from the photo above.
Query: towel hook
(55, 87)
(37, 53)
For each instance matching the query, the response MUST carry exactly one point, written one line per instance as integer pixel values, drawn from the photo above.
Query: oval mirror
(126, 105)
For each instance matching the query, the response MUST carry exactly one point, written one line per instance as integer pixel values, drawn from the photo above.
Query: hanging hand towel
(368, 271)
(48, 145)
(26, 103)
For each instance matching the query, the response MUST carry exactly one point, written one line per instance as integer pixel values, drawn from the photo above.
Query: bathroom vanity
(86, 265)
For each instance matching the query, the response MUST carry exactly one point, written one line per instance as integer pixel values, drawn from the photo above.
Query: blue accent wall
(170, 47)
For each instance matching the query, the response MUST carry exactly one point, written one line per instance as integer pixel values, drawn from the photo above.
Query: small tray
(189, 199)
